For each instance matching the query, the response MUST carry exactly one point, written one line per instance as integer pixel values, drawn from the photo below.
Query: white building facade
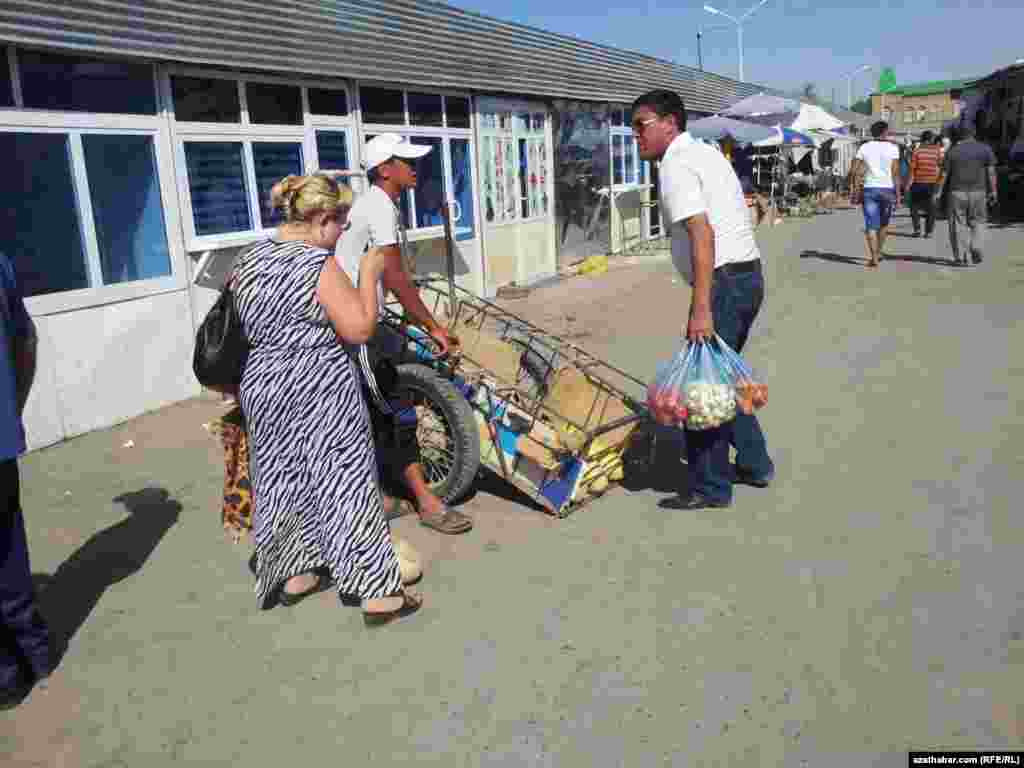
(143, 136)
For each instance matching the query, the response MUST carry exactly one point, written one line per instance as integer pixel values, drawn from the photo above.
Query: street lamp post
(849, 83)
(739, 26)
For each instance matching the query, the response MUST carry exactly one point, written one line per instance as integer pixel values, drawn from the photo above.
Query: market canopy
(789, 113)
(785, 137)
(717, 128)
(762, 105)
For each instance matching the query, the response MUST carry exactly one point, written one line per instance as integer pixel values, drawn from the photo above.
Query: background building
(144, 135)
(918, 107)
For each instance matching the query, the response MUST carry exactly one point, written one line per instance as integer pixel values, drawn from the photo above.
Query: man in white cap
(375, 222)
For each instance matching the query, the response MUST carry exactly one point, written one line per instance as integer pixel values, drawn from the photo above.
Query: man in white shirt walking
(878, 163)
(713, 247)
(375, 222)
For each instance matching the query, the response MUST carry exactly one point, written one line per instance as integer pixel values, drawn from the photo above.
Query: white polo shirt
(373, 222)
(696, 178)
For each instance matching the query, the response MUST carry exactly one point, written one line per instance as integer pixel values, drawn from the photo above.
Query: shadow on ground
(68, 596)
(657, 466)
(836, 257)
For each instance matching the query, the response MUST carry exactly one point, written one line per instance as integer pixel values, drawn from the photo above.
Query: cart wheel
(446, 430)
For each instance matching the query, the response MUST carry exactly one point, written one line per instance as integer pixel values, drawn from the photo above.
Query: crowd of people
(960, 177)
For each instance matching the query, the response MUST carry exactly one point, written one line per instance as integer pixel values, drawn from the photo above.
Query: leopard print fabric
(236, 512)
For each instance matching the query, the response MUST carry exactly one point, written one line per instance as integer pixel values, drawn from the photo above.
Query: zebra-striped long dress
(314, 478)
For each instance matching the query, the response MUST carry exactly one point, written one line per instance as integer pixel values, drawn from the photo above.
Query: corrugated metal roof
(414, 42)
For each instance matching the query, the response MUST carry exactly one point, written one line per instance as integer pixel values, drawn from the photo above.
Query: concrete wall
(104, 365)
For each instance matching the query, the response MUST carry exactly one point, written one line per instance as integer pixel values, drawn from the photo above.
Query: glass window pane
(71, 83)
(206, 100)
(630, 158)
(274, 160)
(6, 88)
(39, 227)
(382, 105)
(616, 159)
(538, 122)
(126, 207)
(216, 181)
(430, 191)
(424, 109)
(627, 117)
(275, 104)
(325, 102)
(616, 117)
(521, 121)
(332, 149)
(462, 189)
(457, 111)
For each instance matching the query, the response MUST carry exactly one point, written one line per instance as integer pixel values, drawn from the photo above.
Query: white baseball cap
(382, 148)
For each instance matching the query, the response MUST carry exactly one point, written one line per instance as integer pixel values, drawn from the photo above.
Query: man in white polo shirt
(713, 247)
(375, 222)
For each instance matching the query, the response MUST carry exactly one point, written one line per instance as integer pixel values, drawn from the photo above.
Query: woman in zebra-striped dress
(317, 508)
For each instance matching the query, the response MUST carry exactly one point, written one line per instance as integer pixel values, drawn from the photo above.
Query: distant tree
(863, 106)
(810, 92)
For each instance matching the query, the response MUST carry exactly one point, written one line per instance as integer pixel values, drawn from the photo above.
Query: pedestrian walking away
(970, 172)
(877, 168)
(925, 175)
(24, 636)
(375, 222)
(714, 249)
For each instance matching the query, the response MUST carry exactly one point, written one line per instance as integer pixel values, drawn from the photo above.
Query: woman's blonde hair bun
(300, 198)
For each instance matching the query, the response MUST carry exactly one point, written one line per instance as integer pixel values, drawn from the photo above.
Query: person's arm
(352, 311)
(943, 176)
(701, 323)
(857, 169)
(24, 354)
(993, 180)
(896, 180)
(399, 282)
(913, 172)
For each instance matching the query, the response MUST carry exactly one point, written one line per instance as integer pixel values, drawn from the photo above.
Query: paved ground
(870, 601)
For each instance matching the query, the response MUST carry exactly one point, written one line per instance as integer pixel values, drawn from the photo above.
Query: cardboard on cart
(575, 397)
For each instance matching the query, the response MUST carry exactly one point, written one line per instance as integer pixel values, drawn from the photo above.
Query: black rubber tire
(450, 478)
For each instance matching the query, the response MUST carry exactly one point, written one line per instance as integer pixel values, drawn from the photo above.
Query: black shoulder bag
(221, 346)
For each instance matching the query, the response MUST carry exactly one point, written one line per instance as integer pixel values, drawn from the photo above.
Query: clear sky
(790, 42)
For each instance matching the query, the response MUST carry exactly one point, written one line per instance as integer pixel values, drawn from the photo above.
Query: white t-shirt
(878, 157)
(696, 178)
(373, 222)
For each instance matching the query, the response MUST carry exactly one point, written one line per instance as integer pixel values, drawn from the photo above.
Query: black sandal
(288, 599)
(411, 602)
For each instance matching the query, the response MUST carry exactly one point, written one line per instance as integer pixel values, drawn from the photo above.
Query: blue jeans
(24, 638)
(878, 205)
(735, 302)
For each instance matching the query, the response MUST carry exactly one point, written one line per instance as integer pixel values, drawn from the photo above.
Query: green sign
(886, 80)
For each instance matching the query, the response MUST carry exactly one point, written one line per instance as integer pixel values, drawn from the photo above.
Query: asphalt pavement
(867, 603)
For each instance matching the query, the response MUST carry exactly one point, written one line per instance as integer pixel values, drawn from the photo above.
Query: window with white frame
(84, 201)
(625, 156)
(514, 163)
(237, 135)
(442, 122)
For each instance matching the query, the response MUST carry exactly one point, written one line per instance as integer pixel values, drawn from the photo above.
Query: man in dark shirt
(970, 172)
(24, 638)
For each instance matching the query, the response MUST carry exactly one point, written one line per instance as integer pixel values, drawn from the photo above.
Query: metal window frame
(246, 132)
(98, 293)
(491, 105)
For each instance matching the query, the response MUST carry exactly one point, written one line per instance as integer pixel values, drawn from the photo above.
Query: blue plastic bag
(695, 390)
